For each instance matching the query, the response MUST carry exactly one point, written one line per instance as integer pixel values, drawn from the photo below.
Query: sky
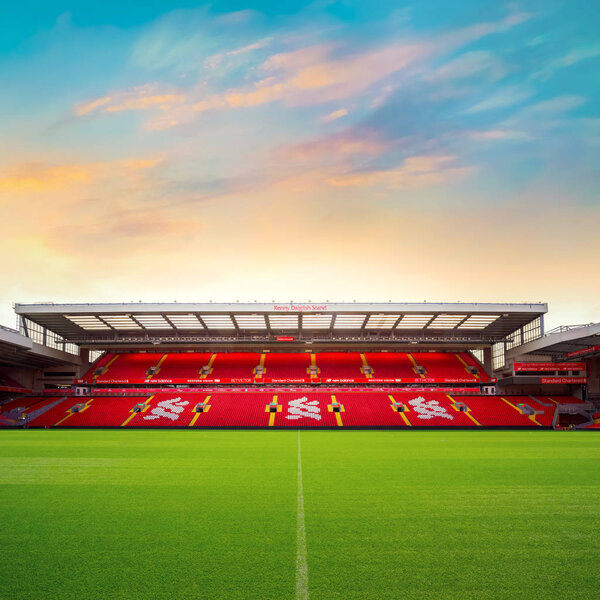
(290, 150)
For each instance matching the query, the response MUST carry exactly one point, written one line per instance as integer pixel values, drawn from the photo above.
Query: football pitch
(95, 514)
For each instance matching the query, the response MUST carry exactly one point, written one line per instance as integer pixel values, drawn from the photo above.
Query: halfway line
(301, 563)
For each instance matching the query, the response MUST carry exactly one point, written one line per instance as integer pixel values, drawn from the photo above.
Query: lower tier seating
(562, 399)
(20, 404)
(301, 407)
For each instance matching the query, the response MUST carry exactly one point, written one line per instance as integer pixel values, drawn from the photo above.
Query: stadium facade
(287, 364)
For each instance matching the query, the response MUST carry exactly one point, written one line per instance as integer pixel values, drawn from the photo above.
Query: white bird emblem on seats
(302, 407)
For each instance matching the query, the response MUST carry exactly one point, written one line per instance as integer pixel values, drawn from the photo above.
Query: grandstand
(281, 365)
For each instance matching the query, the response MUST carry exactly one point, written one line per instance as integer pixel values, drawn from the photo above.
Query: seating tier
(280, 367)
(302, 407)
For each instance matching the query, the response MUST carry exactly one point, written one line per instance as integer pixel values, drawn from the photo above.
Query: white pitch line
(301, 562)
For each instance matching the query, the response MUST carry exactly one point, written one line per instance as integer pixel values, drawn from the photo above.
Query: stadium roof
(570, 342)
(97, 324)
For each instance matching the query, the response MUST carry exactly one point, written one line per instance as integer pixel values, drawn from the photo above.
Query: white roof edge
(282, 307)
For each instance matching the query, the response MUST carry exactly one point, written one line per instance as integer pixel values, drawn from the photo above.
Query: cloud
(497, 134)
(560, 104)
(310, 75)
(542, 116)
(577, 55)
(314, 75)
(40, 177)
(416, 172)
(503, 98)
(123, 224)
(215, 61)
(472, 33)
(337, 146)
(336, 114)
(90, 106)
(144, 102)
(573, 57)
(137, 98)
(471, 64)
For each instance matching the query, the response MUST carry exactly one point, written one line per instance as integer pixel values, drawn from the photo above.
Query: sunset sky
(328, 150)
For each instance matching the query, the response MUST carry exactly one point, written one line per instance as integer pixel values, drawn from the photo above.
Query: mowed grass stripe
(301, 560)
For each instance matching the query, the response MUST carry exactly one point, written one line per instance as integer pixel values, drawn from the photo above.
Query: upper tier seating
(125, 367)
(327, 367)
(337, 366)
(291, 366)
(300, 408)
(391, 365)
(446, 365)
(182, 366)
(100, 363)
(234, 365)
(473, 362)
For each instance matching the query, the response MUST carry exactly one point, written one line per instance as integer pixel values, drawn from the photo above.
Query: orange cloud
(36, 177)
(90, 106)
(139, 98)
(40, 177)
(336, 114)
(145, 102)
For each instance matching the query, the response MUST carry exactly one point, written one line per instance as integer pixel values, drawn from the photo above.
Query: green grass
(212, 514)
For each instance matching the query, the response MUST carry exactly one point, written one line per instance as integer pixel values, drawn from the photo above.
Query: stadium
(299, 300)
(255, 473)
